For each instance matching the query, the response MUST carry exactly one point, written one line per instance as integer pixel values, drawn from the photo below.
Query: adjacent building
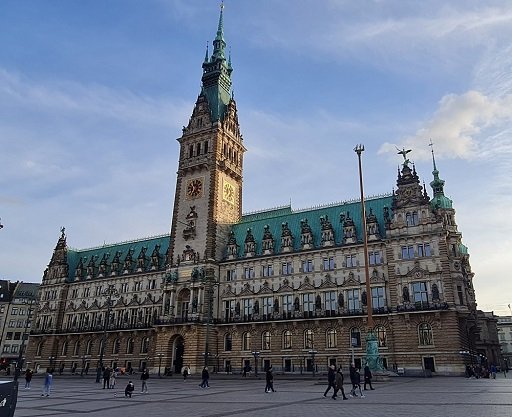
(16, 306)
(505, 340)
(278, 287)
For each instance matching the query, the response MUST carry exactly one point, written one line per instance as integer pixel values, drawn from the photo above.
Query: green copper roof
(463, 249)
(216, 79)
(109, 251)
(276, 217)
(439, 200)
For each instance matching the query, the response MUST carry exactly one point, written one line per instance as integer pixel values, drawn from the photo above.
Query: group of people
(478, 371)
(335, 381)
(130, 387)
(109, 378)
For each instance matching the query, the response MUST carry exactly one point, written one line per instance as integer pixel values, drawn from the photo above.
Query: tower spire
(216, 80)
(437, 184)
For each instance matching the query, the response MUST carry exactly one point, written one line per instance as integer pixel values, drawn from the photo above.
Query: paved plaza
(236, 396)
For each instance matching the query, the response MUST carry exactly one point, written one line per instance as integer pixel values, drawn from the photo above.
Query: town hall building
(281, 287)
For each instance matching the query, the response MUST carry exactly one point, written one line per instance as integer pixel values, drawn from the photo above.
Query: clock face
(195, 188)
(228, 192)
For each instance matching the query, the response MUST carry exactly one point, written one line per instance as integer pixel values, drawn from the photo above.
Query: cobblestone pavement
(438, 396)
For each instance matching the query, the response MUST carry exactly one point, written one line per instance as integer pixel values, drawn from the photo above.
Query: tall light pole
(372, 347)
(160, 355)
(256, 354)
(109, 293)
(313, 352)
(210, 278)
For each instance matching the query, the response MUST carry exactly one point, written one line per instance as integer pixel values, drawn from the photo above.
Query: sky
(93, 96)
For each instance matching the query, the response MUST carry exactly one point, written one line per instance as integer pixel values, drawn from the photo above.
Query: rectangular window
(124, 287)
(460, 294)
(375, 257)
(351, 261)
(308, 302)
(287, 303)
(231, 274)
(14, 311)
(249, 273)
(419, 290)
(229, 309)
(286, 268)
(97, 291)
(268, 271)
(307, 265)
(12, 323)
(353, 300)
(408, 252)
(330, 301)
(86, 292)
(267, 306)
(6, 348)
(9, 336)
(424, 249)
(247, 303)
(328, 263)
(378, 297)
(14, 349)
(17, 336)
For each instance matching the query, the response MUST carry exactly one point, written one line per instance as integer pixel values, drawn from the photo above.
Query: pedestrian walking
(48, 379)
(339, 384)
(144, 378)
(269, 376)
(246, 369)
(205, 376)
(368, 377)
(128, 391)
(112, 380)
(493, 371)
(185, 373)
(331, 381)
(28, 377)
(106, 377)
(356, 384)
(352, 372)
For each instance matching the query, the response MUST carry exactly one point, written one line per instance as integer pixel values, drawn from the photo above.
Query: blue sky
(93, 95)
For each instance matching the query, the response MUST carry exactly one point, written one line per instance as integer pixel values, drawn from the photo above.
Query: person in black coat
(205, 375)
(339, 385)
(269, 376)
(106, 378)
(367, 377)
(331, 380)
(128, 391)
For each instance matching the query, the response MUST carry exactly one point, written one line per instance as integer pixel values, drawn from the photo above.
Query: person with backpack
(144, 378)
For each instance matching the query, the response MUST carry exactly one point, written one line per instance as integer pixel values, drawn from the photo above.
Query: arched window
(39, 349)
(100, 347)
(265, 341)
(145, 345)
(331, 339)
(380, 332)
(228, 342)
(425, 334)
(355, 337)
(415, 218)
(116, 347)
(191, 151)
(308, 339)
(88, 347)
(287, 339)
(76, 349)
(129, 346)
(198, 149)
(246, 341)
(64, 350)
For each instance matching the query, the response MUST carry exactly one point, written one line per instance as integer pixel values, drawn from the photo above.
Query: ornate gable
(351, 280)
(265, 289)
(247, 290)
(327, 283)
(228, 291)
(285, 287)
(267, 243)
(306, 285)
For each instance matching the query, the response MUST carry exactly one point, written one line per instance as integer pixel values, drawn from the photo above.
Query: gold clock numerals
(228, 192)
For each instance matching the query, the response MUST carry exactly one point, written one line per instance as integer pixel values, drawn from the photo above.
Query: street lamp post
(313, 353)
(51, 359)
(109, 293)
(256, 354)
(373, 359)
(160, 355)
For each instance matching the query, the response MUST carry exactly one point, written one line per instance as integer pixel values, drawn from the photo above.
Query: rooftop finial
(431, 144)
(206, 56)
(220, 29)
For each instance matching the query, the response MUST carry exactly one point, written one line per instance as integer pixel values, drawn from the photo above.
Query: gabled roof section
(109, 251)
(275, 217)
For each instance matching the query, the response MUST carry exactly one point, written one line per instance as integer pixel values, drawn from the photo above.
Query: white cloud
(459, 127)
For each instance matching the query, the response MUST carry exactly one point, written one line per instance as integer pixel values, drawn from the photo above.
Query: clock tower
(208, 198)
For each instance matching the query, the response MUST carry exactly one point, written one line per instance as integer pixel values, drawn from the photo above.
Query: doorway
(178, 352)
